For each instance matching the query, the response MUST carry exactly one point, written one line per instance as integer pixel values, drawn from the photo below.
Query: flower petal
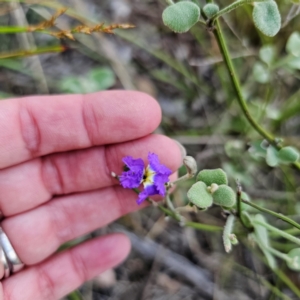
(159, 181)
(133, 164)
(157, 166)
(132, 178)
(150, 190)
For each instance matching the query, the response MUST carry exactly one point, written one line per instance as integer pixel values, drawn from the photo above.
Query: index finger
(35, 126)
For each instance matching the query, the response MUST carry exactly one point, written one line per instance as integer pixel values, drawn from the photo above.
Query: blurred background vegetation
(186, 75)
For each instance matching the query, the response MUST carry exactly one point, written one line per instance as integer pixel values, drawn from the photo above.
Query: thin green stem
(239, 204)
(37, 51)
(273, 213)
(278, 254)
(176, 217)
(278, 231)
(170, 2)
(233, 6)
(238, 90)
(285, 279)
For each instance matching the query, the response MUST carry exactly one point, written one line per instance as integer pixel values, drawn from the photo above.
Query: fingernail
(182, 149)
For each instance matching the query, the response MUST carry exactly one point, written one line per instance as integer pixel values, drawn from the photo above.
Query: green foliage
(229, 238)
(224, 196)
(95, 80)
(247, 219)
(272, 157)
(199, 196)
(267, 54)
(261, 73)
(293, 44)
(209, 177)
(210, 9)
(262, 238)
(294, 255)
(288, 155)
(180, 17)
(266, 17)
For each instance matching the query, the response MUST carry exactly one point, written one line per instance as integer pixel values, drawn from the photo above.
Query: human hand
(56, 157)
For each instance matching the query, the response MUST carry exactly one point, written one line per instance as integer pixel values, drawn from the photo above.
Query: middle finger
(30, 184)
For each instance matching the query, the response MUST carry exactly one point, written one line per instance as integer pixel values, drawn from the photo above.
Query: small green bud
(288, 155)
(293, 44)
(210, 9)
(209, 177)
(247, 219)
(233, 239)
(228, 237)
(266, 17)
(294, 264)
(213, 187)
(224, 196)
(272, 156)
(199, 195)
(180, 17)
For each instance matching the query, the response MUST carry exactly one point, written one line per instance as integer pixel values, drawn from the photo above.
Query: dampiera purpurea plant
(211, 187)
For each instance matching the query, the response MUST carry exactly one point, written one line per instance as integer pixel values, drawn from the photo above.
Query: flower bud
(224, 196)
(209, 177)
(199, 196)
(181, 16)
(191, 165)
(210, 9)
(233, 239)
(213, 187)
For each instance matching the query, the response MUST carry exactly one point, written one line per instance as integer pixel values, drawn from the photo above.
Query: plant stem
(239, 204)
(273, 213)
(238, 90)
(175, 216)
(278, 231)
(231, 7)
(278, 254)
(38, 51)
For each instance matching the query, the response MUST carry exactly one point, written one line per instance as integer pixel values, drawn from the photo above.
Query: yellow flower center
(148, 178)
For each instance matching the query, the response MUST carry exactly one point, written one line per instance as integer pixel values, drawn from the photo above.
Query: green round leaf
(261, 73)
(210, 9)
(199, 196)
(266, 17)
(272, 156)
(180, 17)
(295, 262)
(224, 196)
(209, 177)
(288, 155)
(267, 54)
(293, 44)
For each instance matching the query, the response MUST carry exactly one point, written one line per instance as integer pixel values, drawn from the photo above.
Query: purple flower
(153, 177)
